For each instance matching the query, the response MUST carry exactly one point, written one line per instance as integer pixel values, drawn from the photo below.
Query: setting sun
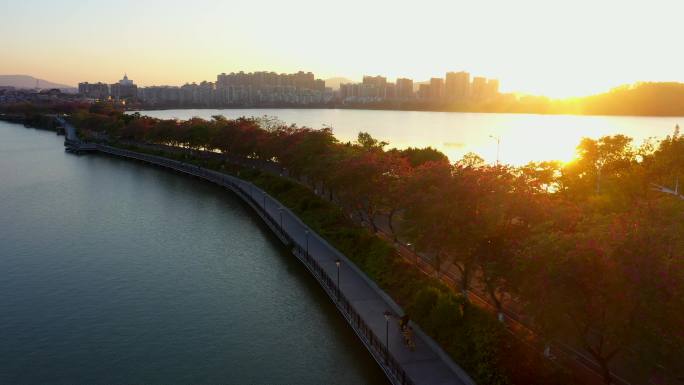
(558, 49)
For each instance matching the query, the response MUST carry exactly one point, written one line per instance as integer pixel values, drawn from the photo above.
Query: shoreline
(342, 108)
(400, 365)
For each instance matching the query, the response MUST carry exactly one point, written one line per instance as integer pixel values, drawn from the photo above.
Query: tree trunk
(390, 218)
(465, 281)
(497, 302)
(605, 372)
(371, 221)
(603, 362)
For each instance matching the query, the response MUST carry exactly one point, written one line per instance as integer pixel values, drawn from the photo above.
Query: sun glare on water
(526, 138)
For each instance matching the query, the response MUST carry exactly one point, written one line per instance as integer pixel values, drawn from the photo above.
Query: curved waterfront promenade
(357, 298)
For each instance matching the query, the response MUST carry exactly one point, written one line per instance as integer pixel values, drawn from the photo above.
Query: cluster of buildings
(12, 95)
(234, 89)
(270, 89)
(456, 87)
(124, 89)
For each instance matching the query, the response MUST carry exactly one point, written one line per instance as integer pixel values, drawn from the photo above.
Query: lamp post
(498, 146)
(387, 315)
(306, 235)
(280, 209)
(413, 250)
(337, 263)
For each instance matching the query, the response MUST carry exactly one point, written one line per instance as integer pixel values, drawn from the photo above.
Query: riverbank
(367, 107)
(471, 336)
(360, 301)
(367, 182)
(456, 134)
(115, 272)
(38, 120)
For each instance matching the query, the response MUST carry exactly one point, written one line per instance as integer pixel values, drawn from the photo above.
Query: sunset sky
(556, 48)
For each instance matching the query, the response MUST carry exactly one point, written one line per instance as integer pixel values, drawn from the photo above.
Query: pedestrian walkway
(371, 313)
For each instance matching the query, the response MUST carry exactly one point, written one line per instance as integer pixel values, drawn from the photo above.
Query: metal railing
(373, 343)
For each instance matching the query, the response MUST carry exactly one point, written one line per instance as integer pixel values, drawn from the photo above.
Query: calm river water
(523, 137)
(114, 272)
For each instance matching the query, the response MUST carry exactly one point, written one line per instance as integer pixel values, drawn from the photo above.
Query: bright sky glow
(556, 48)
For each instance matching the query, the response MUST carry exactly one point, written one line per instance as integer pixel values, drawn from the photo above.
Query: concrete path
(69, 130)
(423, 365)
(361, 301)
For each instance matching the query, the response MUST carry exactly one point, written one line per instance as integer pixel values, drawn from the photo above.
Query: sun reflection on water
(523, 137)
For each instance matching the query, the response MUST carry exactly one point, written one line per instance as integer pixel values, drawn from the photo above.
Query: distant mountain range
(26, 81)
(334, 83)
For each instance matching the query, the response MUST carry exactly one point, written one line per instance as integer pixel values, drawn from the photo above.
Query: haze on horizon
(554, 48)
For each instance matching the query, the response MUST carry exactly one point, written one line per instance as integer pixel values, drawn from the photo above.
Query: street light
(281, 218)
(498, 146)
(387, 315)
(306, 235)
(337, 263)
(413, 250)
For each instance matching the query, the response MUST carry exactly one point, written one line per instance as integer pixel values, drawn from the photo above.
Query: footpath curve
(358, 299)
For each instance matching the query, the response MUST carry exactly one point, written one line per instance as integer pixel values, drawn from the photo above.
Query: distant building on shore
(11, 95)
(160, 95)
(423, 91)
(124, 89)
(404, 88)
(271, 89)
(97, 90)
(484, 89)
(492, 89)
(436, 88)
(457, 87)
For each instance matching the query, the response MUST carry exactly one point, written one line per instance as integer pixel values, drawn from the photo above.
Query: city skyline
(547, 48)
(302, 89)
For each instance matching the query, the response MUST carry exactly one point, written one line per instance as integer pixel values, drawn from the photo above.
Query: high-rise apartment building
(377, 81)
(479, 89)
(160, 95)
(404, 88)
(259, 88)
(457, 87)
(492, 89)
(97, 90)
(424, 91)
(436, 88)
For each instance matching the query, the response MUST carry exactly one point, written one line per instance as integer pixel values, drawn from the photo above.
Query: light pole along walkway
(371, 313)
